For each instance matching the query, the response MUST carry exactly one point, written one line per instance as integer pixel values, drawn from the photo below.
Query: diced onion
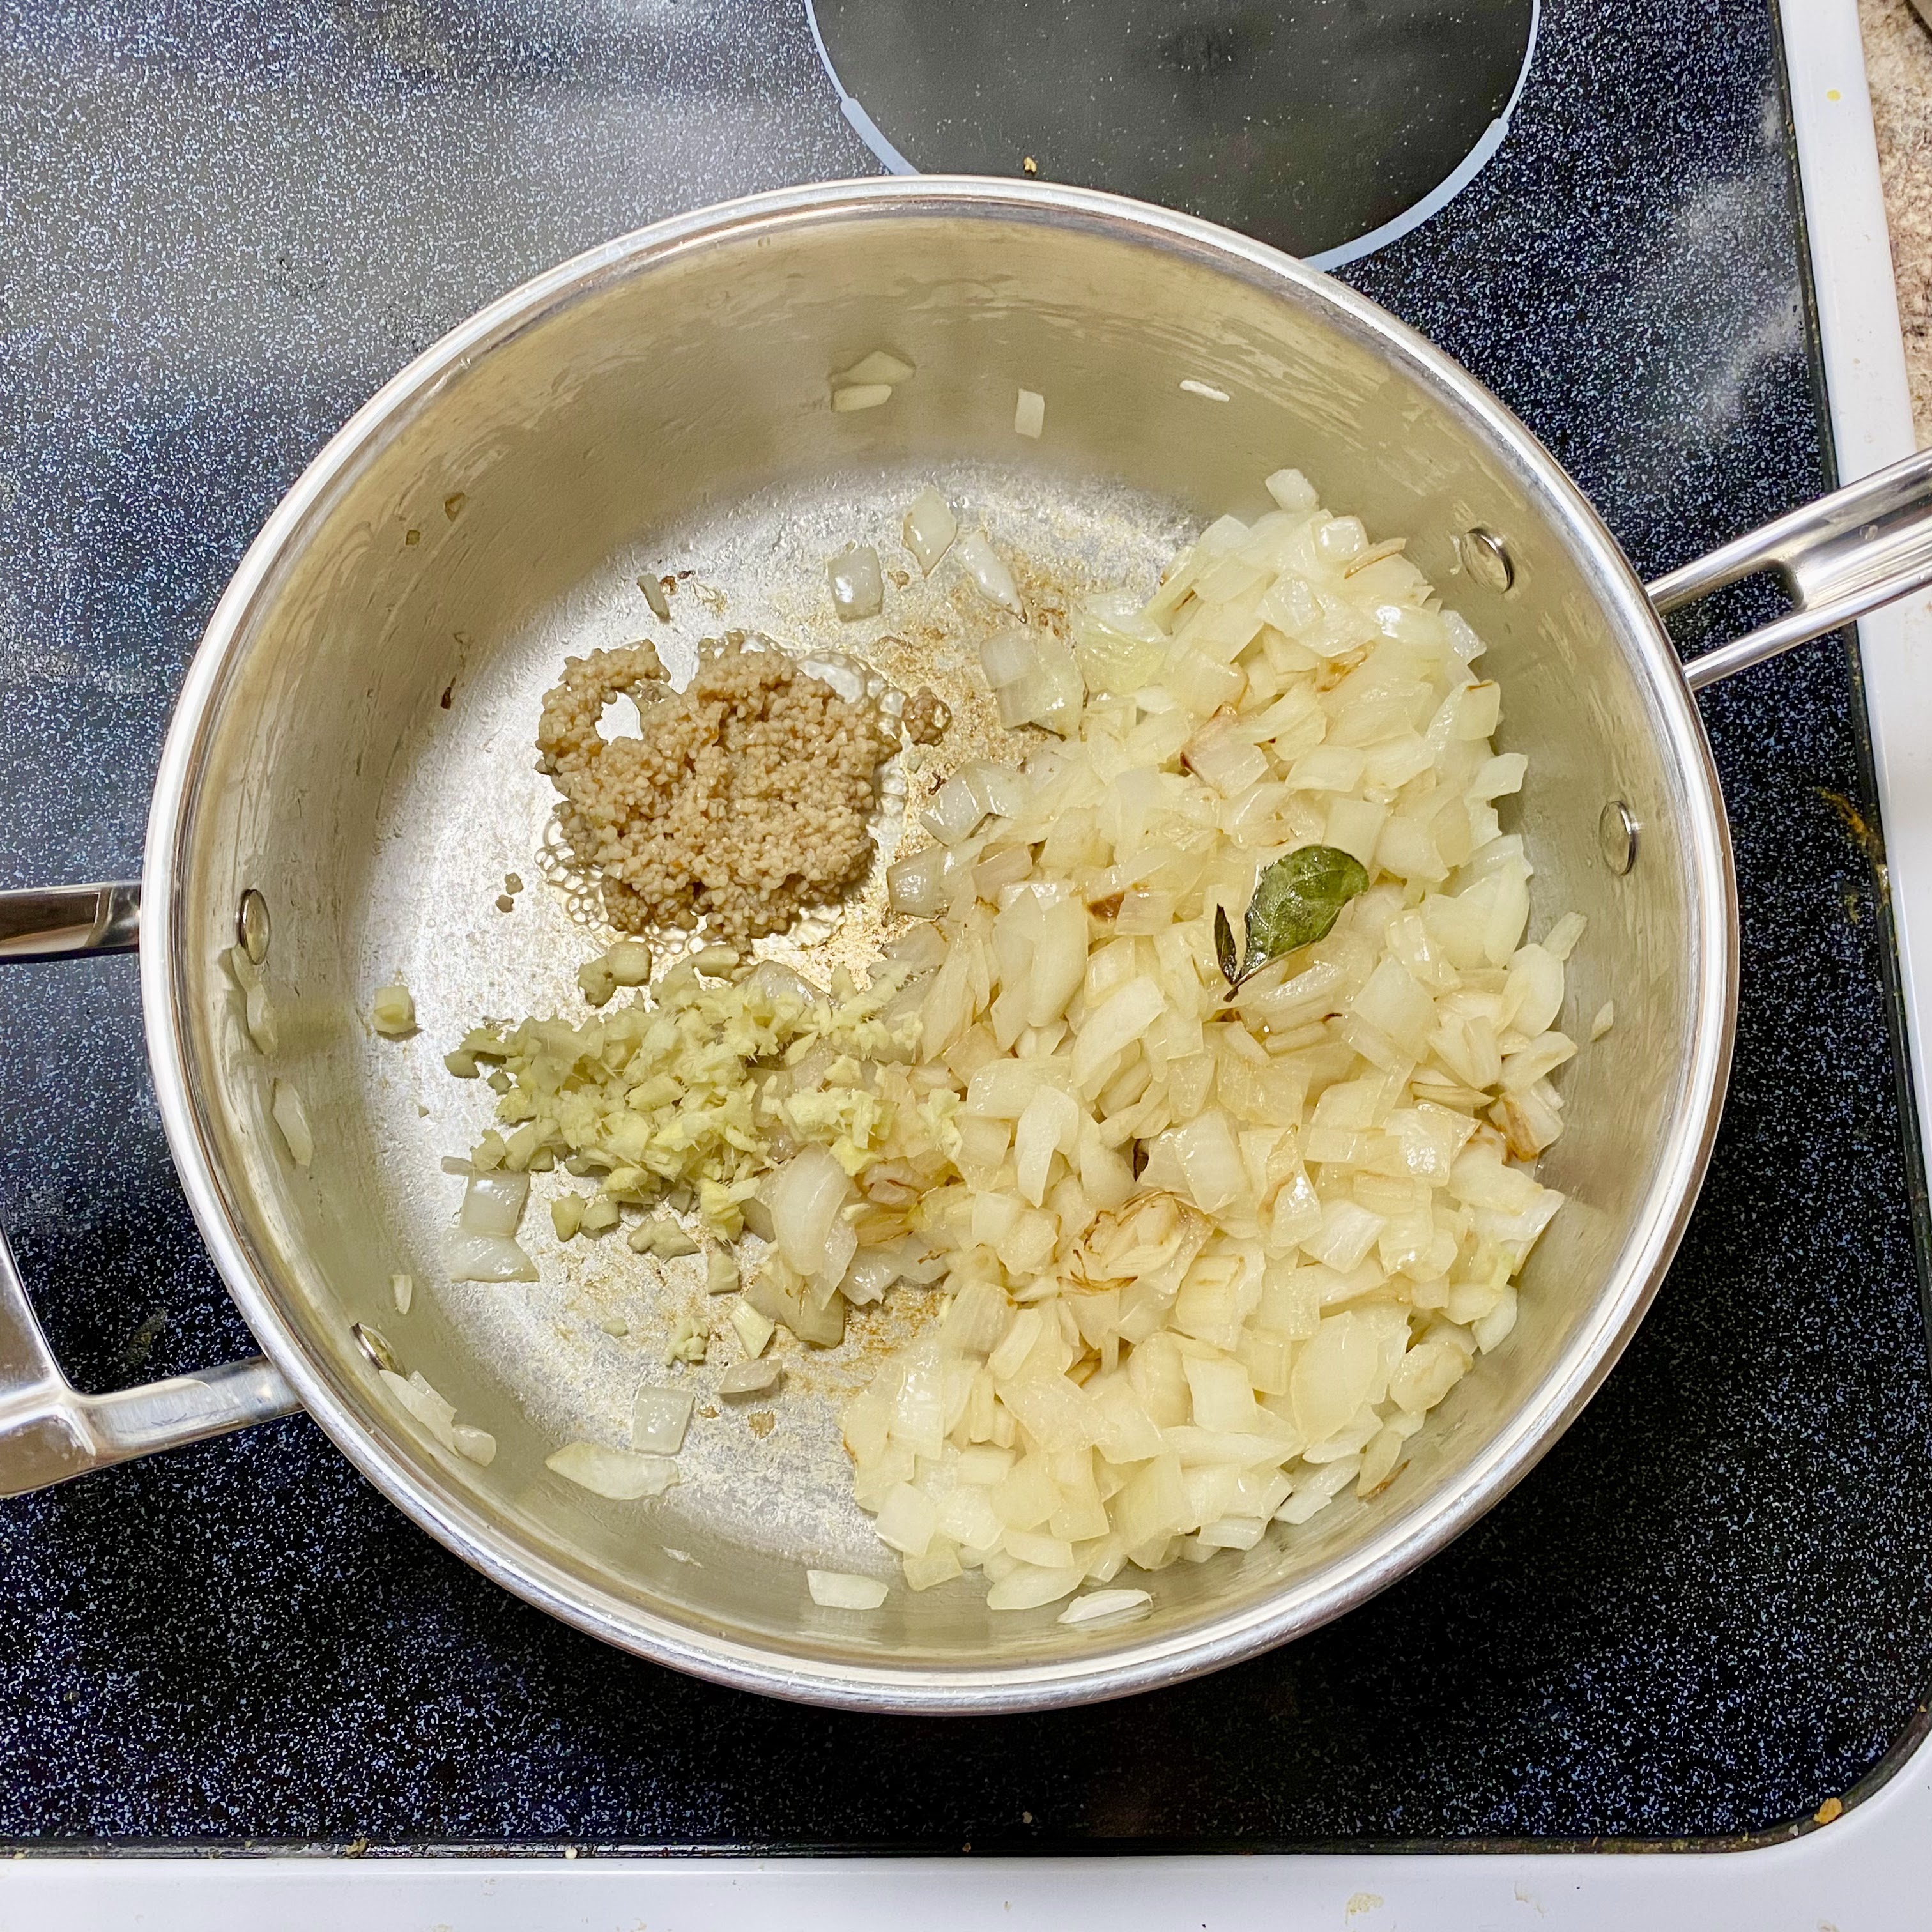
(840, 1590)
(472, 1257)
(1007, 656)
(1030, 413)
(659, 1417)
(1228, 761)
(880, 366)
(415, 1394)
(393, 1011)
(803, 1197)
(493, 1203)
(858, 590)
(921, 950)
(917, 885)
(752, 1329)
(752, 1378)
(260, 1017)
(1028, 1585)
(629, 961)
(860, 396)
(1118, 649)
(1561, 940)
(402, 1288)
(955, 811)
(1098, 1604)
(291, 1117)
(1332, 1375)
(1292, 490)
(994, 579)
(619, 1473)
(778, 982)
(930, 529)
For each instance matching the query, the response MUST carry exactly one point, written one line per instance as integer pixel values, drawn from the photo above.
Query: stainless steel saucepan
(349, 776)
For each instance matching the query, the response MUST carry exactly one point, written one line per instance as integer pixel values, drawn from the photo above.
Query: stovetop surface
(1706, 1612)
(1306, 124)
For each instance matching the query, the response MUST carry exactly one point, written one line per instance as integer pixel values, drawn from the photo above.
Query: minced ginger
(744, 802)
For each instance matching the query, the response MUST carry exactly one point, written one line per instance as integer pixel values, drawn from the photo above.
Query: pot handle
(49, 1430)
(1867, 545)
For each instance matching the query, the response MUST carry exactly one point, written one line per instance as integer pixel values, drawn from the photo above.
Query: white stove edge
(1867, 1872)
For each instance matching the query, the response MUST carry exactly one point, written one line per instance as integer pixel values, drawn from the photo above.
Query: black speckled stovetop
(1706, 1612)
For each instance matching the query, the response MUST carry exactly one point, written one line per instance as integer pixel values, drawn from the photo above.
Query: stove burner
(1327, 128)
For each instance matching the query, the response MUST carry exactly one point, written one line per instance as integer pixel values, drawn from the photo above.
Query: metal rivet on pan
(1487, 558)
(251, 925)
(370, 1341)
(1616, 836)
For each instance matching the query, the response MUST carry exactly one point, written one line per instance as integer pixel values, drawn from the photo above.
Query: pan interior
(364, 758)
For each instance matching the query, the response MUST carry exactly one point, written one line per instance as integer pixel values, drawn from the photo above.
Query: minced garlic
(703, 1087)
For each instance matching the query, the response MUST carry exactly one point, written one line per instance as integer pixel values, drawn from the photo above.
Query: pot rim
(1132, 1665)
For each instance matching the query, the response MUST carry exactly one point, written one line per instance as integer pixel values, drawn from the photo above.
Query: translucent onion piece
(1030, 413)
(803, 1198)
(1332, 1375)
(1219, 754)
(393, 1011)
(1118, 649)
(993, 579)
(777, 981)
(659, 1418)
(469, 1257)
(860, 396)
(930, 529)
(493, 1203)
(753, 1329)
(478, 1444)
(402, 1288)
(616, 1473)
(1292, 490)
(753, 1377)
(1007, 655)
(955, 811)
(1098, 1604)
(840, 1590)
(260, 1016)
(917, 885)
(1028, 1585)
(842, 1244)
(920, 951)
(858, 590)
(291, 1117)
(880, 366)
(414, 1395)
(1561, 940)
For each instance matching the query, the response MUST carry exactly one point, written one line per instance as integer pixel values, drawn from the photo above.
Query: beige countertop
(1898, 63)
